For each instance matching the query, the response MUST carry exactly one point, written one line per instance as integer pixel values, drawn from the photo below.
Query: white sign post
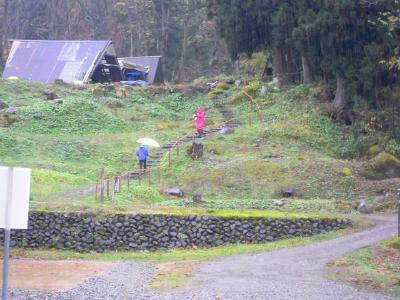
(14, 209)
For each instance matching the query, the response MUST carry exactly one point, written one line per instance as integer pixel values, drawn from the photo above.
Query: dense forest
(351, 43)
(178, 30)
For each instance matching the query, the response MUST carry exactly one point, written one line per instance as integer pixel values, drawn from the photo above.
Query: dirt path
(296, 273)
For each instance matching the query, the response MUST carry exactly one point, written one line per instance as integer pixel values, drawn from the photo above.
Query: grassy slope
(293, 147)
(68, 144)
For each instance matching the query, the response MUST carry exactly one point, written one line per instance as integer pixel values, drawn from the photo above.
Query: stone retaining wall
(88, 232)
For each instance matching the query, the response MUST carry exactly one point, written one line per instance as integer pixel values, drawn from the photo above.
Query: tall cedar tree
(340, 40)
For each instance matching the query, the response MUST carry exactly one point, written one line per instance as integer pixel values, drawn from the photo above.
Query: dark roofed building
(71, 61)
(149, 65)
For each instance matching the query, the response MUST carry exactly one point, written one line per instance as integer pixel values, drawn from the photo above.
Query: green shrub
(393, 147)
(72, 117)
(346, 172)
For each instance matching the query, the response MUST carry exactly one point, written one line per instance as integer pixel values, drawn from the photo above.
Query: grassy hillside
(287, 143)
(68, 144)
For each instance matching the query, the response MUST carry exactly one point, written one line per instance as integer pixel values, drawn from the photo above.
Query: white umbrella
(148, 142)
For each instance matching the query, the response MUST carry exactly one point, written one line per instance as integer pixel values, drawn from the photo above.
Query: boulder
(263, 91)
(58, 101)
(172, 192)
(59, 81)
(288, 193)
(49, 95)
(226, 130)
(10, 111)
(98, 90)
(3, 105)
(383, 166)
(362, 207)
(197, 198)
(278, 202)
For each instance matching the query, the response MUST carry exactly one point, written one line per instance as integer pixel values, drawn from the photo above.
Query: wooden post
(149, 176)
(250, 120)
(119, 184)
(97, 188)
(102, 186)
(108, 187)
(129, 178)
(169, 159)
(177, 149)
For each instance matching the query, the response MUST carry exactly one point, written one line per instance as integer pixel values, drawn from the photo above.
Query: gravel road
(295, 273)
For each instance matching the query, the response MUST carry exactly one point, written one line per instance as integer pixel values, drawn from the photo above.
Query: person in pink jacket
(200, 118)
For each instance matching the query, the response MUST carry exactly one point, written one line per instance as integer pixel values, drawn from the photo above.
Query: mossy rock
(214, 148)
(346, 172)
(223, 86)
(8, 120)
(214, 94)
(383, 166)
(373, 150)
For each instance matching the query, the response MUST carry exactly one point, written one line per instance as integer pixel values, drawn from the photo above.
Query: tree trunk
(182, 73)
(307, 75)
(278, 62)
(340, 101)
(237, 66)
(291, 66)
(341, 107)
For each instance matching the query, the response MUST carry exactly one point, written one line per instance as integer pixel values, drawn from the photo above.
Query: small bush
(393, 147)
(346, 172)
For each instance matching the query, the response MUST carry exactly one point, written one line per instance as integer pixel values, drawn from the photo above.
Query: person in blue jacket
(142, 153)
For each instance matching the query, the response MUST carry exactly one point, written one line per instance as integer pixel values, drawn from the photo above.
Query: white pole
(7, 233)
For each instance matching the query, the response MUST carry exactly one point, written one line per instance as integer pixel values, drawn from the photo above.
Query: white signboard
(14, 197)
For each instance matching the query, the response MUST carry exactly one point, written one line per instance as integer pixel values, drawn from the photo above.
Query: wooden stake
(149, 176)
(108, 187)
(129, 178)
(177, 149)
(97, 189)
(102, 186)
(169, 159)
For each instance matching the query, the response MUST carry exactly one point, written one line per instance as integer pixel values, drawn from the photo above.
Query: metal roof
(48, 60)
(153, 63)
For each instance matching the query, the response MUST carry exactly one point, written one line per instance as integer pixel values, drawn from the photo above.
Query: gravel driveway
(295, 273)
